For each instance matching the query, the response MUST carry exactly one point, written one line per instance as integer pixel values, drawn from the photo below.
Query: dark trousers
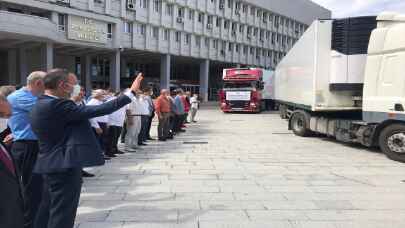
(172, 123)
(25, 153)
(142, 137)
(178, 122)
(124, 132)
(150, 125)
(164, 126)
(103, 138)
(114, 134)
(61, 199)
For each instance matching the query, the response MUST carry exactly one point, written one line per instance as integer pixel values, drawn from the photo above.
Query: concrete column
(87, 70)
(48, 56)
(54, 17)
(165, 71)
(115, 71)
(107, 6)
(22, 56)
(12, 66)
(91, 5)
(123, 8)
(123, 70)
(204, 79)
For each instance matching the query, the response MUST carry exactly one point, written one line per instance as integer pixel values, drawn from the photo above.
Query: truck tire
(299, 123)
(392, 142)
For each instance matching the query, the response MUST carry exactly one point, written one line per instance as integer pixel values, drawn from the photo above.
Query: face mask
(76, 91)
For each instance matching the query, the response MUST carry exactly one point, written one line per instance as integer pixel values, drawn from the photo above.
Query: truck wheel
(300, 123)
(392, 142)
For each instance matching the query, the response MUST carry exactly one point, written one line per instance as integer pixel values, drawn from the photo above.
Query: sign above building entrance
(85, 29)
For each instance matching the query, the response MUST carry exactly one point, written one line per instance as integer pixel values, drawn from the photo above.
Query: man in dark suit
(67, 143)
(11, 200)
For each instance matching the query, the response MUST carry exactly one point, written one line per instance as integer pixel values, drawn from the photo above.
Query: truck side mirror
(261, 85)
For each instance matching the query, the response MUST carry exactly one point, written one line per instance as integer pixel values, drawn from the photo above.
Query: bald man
(162, 109)
(25, 146)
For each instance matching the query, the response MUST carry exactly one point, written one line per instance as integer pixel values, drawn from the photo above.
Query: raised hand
(136, 85)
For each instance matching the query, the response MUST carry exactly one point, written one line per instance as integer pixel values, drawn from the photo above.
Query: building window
(143, 4)
(215, 43)
(261, 34)
(109, 31)
(198, 41)
(155, 32)
(252, 10)
(169, 9)
(207, 42)
(166, 35)
(226, 24)
(259, 13)
(157, 5)
(178, 37)
(255, 31)
(241, 28)
(234, 26)
(142, 29)
(267, 35)
(218, 21)
(201, 17)
(187, 38)
(127, 27)
(191, 14)
(230, 47)
(230, 3)
(264, 17)
(273, 38)
(252, 50)
(244, 8)
(210, 20)
(245, 49)
(276, 21)
(180, 12)
(237, 48)
(61, 22)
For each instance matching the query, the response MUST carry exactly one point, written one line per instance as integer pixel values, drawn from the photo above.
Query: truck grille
(238, 104)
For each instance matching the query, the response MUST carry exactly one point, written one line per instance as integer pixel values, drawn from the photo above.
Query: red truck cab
(243, 90)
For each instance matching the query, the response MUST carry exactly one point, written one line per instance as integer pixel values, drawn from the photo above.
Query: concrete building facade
(174, 42)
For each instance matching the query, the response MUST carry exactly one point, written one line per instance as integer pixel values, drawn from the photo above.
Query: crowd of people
(51, 131)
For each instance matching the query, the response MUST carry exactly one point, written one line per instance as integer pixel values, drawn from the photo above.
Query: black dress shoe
(150, 138)
(87, 174)
(119, 152)
(162, 140)
(111, 155)
(142, 144)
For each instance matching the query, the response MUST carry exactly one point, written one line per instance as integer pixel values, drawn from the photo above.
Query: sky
(349, 8)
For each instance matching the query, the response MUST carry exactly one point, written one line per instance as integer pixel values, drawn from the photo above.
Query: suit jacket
(11, 201)
(66, 139)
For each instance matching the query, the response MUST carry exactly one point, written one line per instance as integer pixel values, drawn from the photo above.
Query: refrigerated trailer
(346, 79)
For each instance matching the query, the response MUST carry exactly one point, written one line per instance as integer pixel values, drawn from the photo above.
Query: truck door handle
(399, 107)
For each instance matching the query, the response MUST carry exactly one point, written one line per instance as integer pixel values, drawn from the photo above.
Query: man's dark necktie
(4, 157)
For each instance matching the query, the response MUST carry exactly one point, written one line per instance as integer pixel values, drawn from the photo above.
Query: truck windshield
(239, 85)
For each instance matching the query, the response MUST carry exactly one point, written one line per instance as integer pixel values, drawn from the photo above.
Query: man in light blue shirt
(25, 146)
(179, 110)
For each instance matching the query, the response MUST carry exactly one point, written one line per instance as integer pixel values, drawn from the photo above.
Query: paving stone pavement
(245, 171)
